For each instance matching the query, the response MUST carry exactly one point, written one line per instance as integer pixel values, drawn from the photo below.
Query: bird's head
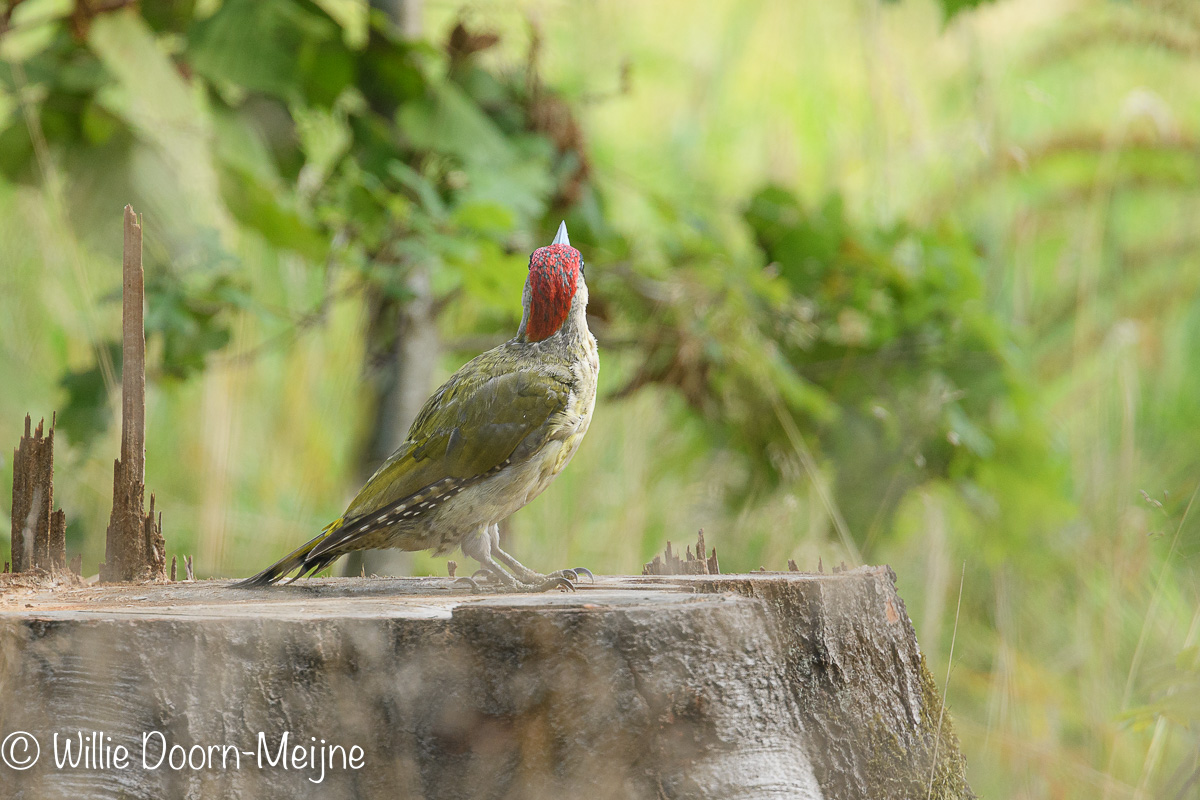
(555, 282)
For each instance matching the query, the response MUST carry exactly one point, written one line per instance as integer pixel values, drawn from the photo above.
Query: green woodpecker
(487, 442)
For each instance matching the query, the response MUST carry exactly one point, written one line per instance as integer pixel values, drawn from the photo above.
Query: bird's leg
(479, 547)
(518, 569)
(523, 572)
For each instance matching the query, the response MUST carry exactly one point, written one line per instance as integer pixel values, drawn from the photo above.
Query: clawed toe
(518, 578)
(546, 584)
(541, 584)
(549, 584)
(573, 574)
(553, 582)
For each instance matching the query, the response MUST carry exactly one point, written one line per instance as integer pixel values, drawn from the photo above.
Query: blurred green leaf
(486, 218)
(189, 315)
(352, 15)
(260, 209)
(86, 414)
(420, 186)
(953, 7)
(446, 121)
(274, 46)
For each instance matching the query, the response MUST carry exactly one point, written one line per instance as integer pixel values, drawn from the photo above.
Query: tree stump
(770, 685)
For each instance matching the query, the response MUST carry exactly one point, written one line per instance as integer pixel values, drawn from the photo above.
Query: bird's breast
(517, 484)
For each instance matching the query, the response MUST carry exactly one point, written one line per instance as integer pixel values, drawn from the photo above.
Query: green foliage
(1176, 689)
(326, 127)
(879, 343)
(892, 328)
(952, 7)
(188, 316)
(86, 413)
(980, 347)
(281, 48)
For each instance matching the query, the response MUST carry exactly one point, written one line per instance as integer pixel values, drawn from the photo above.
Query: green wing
(488, 412)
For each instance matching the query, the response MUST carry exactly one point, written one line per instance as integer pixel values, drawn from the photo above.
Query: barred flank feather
(340, 536)
(298, 559)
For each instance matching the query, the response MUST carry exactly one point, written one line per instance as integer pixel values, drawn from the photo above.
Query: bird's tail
(299, 559)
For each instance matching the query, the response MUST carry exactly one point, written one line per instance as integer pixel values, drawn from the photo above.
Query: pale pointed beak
(561, 237)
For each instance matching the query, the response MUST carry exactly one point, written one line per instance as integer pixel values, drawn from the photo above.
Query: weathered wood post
(134, 549)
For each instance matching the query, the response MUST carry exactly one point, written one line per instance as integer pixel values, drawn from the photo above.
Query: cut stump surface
(775, 685)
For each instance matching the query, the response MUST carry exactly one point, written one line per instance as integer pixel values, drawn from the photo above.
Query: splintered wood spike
(134, 548)
(693, 562)
(38, 533)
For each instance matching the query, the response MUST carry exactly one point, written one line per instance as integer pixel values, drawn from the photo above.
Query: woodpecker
(488, 441)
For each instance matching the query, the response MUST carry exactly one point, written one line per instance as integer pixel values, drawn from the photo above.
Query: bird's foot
(500, 581)
(575, 574)
(526, 575)
(551, 582)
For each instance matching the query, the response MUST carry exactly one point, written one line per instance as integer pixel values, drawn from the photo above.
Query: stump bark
(747, 686)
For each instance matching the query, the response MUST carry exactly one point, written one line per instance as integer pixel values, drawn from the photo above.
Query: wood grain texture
(770, 685)
(134, 547)
(38, 534)
(133, 350)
